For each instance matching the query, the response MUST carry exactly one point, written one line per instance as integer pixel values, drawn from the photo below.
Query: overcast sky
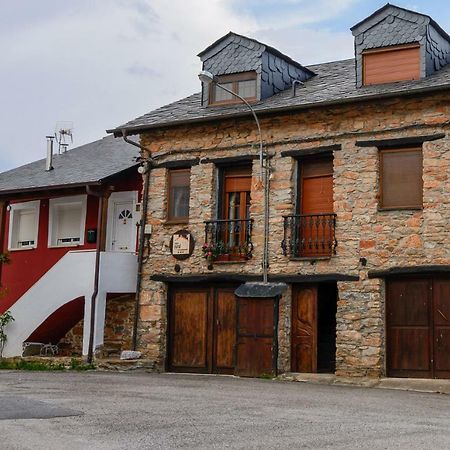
(100, 63)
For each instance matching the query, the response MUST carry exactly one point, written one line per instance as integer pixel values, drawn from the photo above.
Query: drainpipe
(141, 248)
(3, 208)
(100, 196)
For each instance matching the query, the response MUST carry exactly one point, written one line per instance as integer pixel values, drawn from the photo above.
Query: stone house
(359, 210)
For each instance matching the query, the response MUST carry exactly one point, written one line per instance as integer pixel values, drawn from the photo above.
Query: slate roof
(88, 164)
(333, 84)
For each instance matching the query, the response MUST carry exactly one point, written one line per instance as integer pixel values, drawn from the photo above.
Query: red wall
(28, 266)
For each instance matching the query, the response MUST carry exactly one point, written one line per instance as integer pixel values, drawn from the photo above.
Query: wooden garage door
(418, 328)
(202, 330)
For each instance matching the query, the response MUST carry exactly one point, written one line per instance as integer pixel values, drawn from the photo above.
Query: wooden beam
(225, 277)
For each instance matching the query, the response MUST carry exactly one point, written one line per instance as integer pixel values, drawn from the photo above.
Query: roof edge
(140, 128)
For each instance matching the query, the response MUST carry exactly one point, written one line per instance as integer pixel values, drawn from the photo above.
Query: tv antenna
(63, 134)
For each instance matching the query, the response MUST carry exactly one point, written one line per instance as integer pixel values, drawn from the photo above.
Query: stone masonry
(384, 238)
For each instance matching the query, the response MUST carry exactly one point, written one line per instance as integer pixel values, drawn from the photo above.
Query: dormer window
(387, 65)
(243, 84)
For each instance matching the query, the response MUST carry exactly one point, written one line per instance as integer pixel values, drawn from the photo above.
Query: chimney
(49, 161)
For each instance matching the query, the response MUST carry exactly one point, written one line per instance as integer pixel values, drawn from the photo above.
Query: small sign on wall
(182, 244)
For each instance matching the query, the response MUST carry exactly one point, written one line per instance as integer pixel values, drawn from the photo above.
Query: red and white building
(53, 223)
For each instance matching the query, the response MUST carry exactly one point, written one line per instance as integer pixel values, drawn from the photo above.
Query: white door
(123, 237)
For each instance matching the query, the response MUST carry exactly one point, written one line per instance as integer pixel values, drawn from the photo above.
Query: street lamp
(209, 79)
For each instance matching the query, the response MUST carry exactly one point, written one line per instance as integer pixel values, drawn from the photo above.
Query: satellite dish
(63, 135)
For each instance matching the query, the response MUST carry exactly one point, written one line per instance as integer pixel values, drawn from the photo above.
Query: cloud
(100, 63)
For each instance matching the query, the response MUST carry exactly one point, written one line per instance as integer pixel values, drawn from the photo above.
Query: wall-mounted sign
(182, 244)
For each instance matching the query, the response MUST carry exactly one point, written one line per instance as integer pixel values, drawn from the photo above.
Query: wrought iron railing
(228, 240)
(309, 235)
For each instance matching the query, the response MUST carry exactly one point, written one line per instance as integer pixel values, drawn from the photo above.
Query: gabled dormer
(248, 67)
(396, 44)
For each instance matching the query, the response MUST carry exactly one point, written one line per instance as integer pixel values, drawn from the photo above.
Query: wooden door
(202, 329)
(408, 331)
(304, 329)
(189, 330)
(316, 204)
(256, 337)
(441, 328)
(225, 331)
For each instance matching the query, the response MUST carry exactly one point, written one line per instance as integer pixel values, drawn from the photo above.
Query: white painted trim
(117, 197)
(80, 199)
(33, 205)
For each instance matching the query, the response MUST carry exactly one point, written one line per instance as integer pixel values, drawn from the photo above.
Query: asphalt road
(44, 410)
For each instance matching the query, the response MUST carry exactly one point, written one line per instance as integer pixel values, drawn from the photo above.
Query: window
(67, 221)
(23, 225)
(401, 178)
(179, 191)
(390, 64)
(243, 84)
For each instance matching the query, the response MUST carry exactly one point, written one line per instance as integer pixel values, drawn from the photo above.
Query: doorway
(122, 231)
(313, 338)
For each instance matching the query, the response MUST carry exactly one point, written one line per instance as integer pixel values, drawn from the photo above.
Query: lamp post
(209, 79)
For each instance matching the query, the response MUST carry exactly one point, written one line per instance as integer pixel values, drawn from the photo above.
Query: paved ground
(144, 411)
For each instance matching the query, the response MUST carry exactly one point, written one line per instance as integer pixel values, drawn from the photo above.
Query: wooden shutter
(401, 178)
(391, 64)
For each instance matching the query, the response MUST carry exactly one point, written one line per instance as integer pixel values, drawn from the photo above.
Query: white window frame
(15, 208)
(53, 204)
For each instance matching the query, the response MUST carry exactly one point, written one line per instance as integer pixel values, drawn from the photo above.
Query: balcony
(228, 240)
(309, 235)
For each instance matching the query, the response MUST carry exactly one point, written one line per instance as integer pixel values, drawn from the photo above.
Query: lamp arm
(261, 150)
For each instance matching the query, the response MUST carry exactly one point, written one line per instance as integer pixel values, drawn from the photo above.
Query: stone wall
(385, 238)
(119, 317)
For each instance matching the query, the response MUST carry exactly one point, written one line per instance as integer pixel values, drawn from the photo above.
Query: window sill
(398, 208)
(21, 249)
(216, 263)
(79, 244)
(310, 258)
(176, 222)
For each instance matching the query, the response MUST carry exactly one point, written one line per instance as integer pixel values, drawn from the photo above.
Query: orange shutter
(391, 64)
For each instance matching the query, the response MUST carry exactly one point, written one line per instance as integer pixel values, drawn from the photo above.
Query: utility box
(91, 236)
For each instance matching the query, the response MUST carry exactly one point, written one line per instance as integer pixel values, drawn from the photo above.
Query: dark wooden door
(202, 330)
(304, 329)
(256, 337)
(418, 328)
(316, 203)
(189, 330)
(441, 327)
(225, 331)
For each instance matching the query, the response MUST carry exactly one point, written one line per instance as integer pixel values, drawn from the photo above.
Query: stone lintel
(396, 142)
(413, 270)
(311, 151)
(178, 164)
(230, 159)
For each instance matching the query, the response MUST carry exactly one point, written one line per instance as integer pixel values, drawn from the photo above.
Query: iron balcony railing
(228, 240)
(309, 235)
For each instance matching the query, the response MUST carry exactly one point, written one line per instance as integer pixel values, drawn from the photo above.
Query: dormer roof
(251, 43)
(392, 26)
(234, 53)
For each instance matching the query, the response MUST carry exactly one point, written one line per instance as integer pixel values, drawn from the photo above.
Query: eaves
(279, 109)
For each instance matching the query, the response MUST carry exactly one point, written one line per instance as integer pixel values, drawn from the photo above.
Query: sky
(100, 63)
